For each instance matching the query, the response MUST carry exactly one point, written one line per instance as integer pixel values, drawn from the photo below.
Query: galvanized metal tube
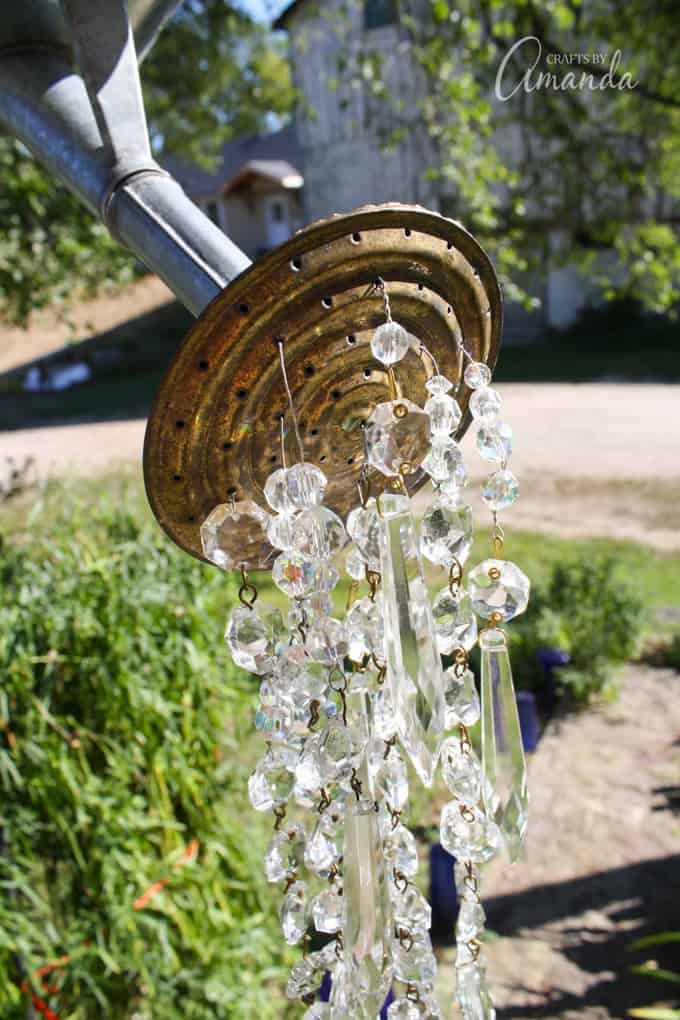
(45, 104)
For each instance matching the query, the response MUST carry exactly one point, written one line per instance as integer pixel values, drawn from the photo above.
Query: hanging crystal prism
(505, 788)
(367, 918)
(413, 662)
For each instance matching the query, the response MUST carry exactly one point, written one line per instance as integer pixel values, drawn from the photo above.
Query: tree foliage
(550, 176)
(213, 73)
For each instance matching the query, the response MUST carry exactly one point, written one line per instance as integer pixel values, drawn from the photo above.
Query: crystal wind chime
(344, 703)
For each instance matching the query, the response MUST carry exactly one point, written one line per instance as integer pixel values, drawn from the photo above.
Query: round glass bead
(306, 485)
(389, 343)
(498, 586)
(494, 442)
(294, 913)
(364, 629)
(327, 640)
(461, 699)
(455, 623)
(485, 405)
(468, 834)
(355, 564)
(446, 533)
(294, 575)
(319, 533)
(363, 525)
(276, 492)
(236, 535)
(477, 375)
(281, 530)
(444, 461)
(327, 576)
(445, 414)
(251, 637)
(438, 384)
(397, 437)
(500, 490)
(461, 771)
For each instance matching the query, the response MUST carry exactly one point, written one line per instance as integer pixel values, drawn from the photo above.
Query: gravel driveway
(592, 459)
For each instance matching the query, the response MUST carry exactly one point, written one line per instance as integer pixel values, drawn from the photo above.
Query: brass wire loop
(247, 593)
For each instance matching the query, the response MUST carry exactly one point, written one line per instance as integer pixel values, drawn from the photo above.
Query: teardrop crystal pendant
(505, 787)
(367, 919)
(413, 664)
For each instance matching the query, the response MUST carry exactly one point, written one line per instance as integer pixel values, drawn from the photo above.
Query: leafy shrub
(669, 653)
(122, 726)
(588, 609)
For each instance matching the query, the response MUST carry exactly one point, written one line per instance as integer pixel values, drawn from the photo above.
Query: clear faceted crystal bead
(477, 375)
(281, 531)
(365, 629)
(494, 442)
(498, 586)
(455, 623)
(294, 575)
(399, 848)
(363, 525)
(390, 343)
(306, 485)
(355, 564)
(445, 414)
(309, 768)
(276, 492)
(284, 854)
(319, 533)
(505, 790)
(444, 462)
(384, 725)
(411, 909)
(461, 771)
(485, 405)
(471, 920)
(468, 833)
(397, 437)
(294, 913)
(271, 783)
(438, 384)
(305, 977)
(325, 580)
(327, 640)
(473, 994)
(320, 853)
(236, 535)
(318, 1011)
(404, 1009)
(414, 963)
(446, 533)
(500, 490)
(327, 909)
(461, 698)
(392, 780)
(250, 645)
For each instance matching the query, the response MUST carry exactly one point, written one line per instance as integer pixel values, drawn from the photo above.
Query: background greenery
(124, 736)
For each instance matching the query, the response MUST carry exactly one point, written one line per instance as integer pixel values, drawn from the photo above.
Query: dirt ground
(601, 866)
(592, 459)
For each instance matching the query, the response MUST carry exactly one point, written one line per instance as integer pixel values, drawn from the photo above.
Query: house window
(276, 209)
(213, 211)
(378, 13)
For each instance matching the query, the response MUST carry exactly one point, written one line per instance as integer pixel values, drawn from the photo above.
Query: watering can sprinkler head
(70, 90)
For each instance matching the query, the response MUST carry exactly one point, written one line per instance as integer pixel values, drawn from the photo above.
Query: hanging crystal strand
(471, 987)
(500, 591)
